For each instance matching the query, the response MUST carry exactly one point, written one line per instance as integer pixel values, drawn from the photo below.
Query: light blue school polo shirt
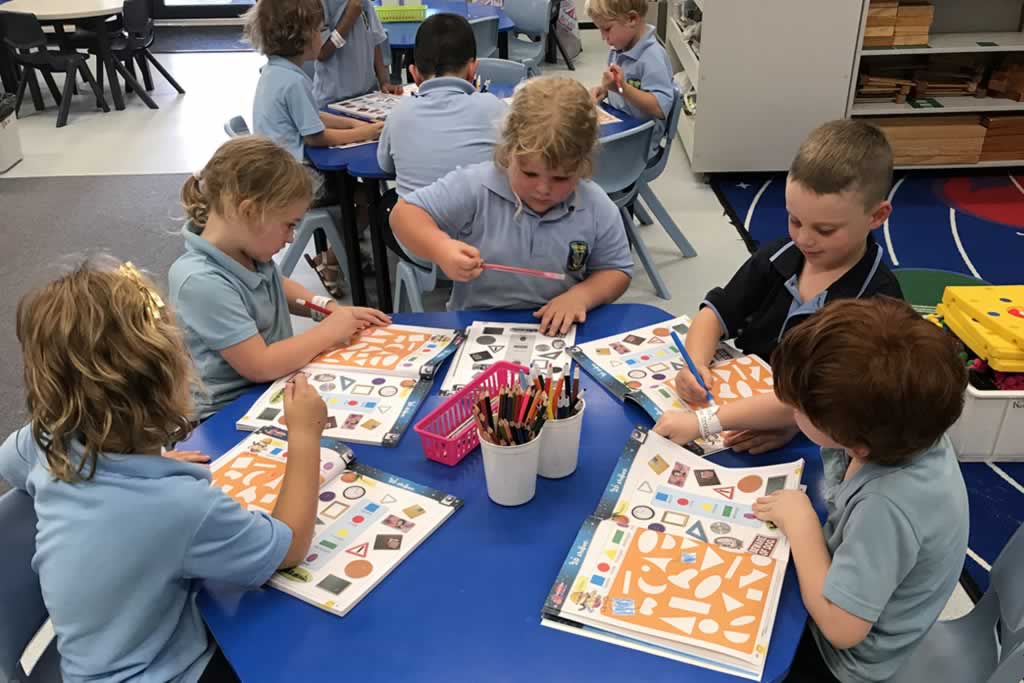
(220, 303)
(645, 66)
(897, 536)
(283, 108)
(447, 124)
(120, 557)
(348, 72)
(582, 235)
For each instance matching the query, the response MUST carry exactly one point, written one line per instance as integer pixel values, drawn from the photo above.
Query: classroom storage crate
(991, 426)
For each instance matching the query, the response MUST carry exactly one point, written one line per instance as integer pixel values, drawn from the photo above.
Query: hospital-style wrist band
(708, 422)
(336, 39)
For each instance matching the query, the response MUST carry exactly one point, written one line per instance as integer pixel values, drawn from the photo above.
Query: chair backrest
(138, 19)
(485, 31)
(22, 31)
(622, 158)
(24, 611)
(236, 127)
(500, 72)
(532, 17)
(657, 163)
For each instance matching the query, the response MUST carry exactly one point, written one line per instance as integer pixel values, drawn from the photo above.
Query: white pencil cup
(560, 446)
(511, 471)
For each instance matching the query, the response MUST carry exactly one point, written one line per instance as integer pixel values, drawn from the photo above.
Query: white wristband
(708, 422)
(322, 302)
(337, 39)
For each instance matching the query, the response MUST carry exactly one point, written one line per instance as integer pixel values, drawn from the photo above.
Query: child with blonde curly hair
(532, 206)
(123, 534)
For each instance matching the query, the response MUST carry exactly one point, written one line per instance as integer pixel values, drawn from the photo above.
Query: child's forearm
(296, 503)
(703, 337)
(643, 100)
(344, 25)
(293, 291)
(379, 68)
(257, 361)
(335, 136)
(602, 287)
(417, 231)
(336, 122)
(761, 412)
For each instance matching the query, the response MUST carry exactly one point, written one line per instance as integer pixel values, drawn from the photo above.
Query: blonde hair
(105, 365)
(246, 168)
(282, 27)
(555, 118)
(845, 155)
(609, 10)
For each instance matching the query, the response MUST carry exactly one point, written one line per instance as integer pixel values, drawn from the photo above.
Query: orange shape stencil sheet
(377, 348)
(252, 480)
(736, 379)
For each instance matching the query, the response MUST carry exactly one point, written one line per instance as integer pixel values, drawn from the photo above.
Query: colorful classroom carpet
(945, 228)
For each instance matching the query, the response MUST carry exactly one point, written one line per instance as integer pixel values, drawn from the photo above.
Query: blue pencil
(689, 364)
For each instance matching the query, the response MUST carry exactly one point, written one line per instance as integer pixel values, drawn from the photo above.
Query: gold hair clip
(129, 270)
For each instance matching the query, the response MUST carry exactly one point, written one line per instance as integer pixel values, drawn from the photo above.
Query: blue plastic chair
(985, 645)
(501, 72)
(315, 219)
(22, 600)
(532, 19)
(655, 167)
(621, 160)
(485, 31)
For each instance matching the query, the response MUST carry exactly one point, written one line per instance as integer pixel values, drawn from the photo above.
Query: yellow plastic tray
(999, 309)
(1000, 353)
(393, 13)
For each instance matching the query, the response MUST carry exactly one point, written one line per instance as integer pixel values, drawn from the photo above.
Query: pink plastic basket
(448, 432)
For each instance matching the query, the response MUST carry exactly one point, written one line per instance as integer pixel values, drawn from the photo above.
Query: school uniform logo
(579, 251)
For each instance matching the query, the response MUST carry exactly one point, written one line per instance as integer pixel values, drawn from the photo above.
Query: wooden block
(883, 3)
(881, 21)
(1004, 143)
(907, 41)
(914, 20)
(879, 31)
(907, 9)
(1003, 156)
(882, 12)
(915, 30)
(995, 122)
(878, 42)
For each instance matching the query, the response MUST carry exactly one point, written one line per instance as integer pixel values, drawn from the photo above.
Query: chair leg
(51, 84)
(65, 100)
(640, 212)
(685, 248)
(130, 82)
(147, 75)
(97, 89)
(22, 82)
(645, 257)
(561, 50)
(129, 66)
(163, 72)
(33, 87)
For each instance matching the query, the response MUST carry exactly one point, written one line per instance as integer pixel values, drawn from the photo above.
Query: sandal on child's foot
(329, 274)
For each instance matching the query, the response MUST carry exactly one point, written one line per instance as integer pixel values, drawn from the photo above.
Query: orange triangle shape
(726, 491)
(359, 550)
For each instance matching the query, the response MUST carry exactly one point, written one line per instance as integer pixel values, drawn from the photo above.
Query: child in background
(836, 194)
(233, 303)
(350, 62)
(124, 536)
(876, 386)
(532, 206)
(639, 76)
(448, 124)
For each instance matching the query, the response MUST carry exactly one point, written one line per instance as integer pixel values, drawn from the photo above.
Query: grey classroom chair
(655, 167)
(533, 20)
(621, 160)
(501, 72)
(23, 609)
(485, 31)
(987, 644)
(315, 219)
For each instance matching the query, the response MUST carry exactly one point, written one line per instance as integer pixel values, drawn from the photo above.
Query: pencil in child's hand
(690, 364)
(312, 306)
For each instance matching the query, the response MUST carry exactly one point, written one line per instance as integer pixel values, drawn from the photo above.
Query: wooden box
(933, 140)
(1004, 138)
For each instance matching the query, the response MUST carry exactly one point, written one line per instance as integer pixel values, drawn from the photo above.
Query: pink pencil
(524, 271)
(312, 306)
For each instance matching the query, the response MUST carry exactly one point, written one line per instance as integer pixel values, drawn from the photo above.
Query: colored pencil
(533, 272)
(690, 364)
(312, 306)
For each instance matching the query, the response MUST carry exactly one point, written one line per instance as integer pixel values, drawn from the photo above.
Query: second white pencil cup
(560, 446)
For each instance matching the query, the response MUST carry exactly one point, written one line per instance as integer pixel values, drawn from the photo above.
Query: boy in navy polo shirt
(836, 194)
(638, 79)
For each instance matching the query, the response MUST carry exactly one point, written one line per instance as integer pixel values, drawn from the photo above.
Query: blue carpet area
(953, 225)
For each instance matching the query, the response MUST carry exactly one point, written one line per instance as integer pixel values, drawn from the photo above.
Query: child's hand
(303, 407)
(461, 262)
(790, 510)
(678, 426)
(370, 316)
(558, 315)
(757, 442)
(343, 323)
(186, 456)
(598, 92)
(613, 78)
(392, 88)
(689, 389)
(371, 131)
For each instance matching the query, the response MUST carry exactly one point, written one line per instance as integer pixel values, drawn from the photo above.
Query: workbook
(522, 343)
(367, 521)
(673, 562)
(374, 106)
(372, 386)
(641, 366)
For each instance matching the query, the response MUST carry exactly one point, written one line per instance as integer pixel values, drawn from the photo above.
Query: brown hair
(555, 118)
(246, 168)
(609, 10)
(872, 373)
(282, 27)
(105, 365)
(845, 155)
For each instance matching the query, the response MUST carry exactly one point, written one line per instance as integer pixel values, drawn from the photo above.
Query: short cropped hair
(845, 155)
(873, 373)
(609, 10)
(282, 27)
(444, 45)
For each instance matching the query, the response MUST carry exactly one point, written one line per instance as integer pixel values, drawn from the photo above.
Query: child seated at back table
(876, 386)
(233, 302)
(124, 536)
(350, 61)
(836, 194)
(638, 79)
(532, 206)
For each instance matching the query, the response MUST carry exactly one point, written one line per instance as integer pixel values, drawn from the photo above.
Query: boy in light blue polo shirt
(639, 76)
(531, 207)
(876, 386)
(447, 124)
(351, 61)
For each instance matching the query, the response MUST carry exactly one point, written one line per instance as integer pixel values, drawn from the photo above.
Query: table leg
(8, 74)
(380, 252)
(104, 58)
(350, 236)
(503, 44)
(396, 64)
